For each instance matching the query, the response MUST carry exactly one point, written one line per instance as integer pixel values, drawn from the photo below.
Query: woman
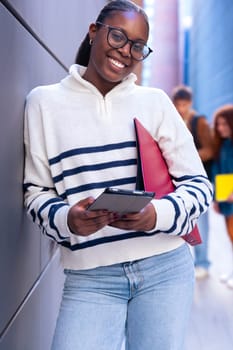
(126, 276)
(223, 164)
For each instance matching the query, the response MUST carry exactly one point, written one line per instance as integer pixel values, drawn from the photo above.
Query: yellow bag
(223, 187)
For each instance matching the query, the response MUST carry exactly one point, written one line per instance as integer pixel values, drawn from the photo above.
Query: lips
(117, 63)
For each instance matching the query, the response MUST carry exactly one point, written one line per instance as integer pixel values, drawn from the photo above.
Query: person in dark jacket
(182, 98)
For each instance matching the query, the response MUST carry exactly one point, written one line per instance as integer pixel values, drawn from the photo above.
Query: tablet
(122, 201)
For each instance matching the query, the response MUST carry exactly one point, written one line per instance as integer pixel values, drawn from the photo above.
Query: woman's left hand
(145, 220)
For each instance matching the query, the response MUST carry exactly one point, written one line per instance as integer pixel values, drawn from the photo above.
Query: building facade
(211, 54)
(161, 69)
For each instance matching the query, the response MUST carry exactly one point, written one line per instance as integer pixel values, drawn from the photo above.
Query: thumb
(84, 203)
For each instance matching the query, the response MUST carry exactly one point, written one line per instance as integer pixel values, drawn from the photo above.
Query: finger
(124, 225)
(92, 214)
(84, 203)
(90, 225)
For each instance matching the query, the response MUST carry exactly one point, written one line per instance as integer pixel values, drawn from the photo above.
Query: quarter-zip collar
(75, 82)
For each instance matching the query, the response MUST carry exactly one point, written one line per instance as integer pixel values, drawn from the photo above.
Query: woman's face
(109, 66)
(223, 128)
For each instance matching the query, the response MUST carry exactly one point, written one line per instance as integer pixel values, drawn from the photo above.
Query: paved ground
(211, 325)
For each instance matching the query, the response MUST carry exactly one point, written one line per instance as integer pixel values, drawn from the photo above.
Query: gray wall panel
(29, 301)
(24, 65)
(34, 325)
(61, 27)
(17, 244)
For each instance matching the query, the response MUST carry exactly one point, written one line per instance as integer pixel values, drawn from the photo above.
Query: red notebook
(153, 172)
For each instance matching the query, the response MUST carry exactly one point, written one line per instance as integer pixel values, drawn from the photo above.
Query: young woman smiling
(127, 276)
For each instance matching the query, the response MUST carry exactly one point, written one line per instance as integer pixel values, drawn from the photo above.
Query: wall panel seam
(28, 295)
(22, 21)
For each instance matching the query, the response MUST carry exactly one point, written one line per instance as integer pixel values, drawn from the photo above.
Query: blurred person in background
(198, 125)
(223, 164)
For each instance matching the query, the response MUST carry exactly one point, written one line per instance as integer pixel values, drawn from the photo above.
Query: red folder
(153, 172)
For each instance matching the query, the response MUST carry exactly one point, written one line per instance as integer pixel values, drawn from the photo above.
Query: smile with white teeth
(117, 63)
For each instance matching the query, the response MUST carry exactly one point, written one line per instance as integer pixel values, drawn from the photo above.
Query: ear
(92, 31)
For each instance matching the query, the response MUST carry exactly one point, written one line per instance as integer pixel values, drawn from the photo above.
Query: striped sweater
(78, 142)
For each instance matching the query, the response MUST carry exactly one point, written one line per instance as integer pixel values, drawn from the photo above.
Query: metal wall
(211, 54)
(161, 69)
(38, 41)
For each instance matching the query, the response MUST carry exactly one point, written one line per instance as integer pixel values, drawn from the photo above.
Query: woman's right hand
(84, 222)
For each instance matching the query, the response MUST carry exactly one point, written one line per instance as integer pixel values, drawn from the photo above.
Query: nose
(126, 49)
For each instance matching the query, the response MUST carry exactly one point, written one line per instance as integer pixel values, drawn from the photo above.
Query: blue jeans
(201, 250)
(146, 302)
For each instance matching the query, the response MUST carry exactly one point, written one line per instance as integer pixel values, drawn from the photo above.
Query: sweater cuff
(165, 213)
(62, 223)
(72, 236)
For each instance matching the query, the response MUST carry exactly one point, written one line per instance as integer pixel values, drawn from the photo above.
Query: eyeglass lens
(118, 39)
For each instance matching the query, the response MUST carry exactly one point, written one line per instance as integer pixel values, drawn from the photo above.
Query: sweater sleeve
(178, 212)
(42, 202)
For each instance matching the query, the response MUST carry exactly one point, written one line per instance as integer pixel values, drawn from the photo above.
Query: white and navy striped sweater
(78, 142)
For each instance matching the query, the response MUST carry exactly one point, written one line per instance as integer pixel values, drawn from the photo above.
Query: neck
(102, 85)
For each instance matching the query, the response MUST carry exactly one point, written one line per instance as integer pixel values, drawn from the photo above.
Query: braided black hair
(83, 54)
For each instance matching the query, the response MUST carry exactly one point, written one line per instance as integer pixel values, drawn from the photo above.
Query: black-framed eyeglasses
(118, 39)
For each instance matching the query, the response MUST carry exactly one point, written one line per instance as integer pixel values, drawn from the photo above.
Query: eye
(138, 47)
(117, 36)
